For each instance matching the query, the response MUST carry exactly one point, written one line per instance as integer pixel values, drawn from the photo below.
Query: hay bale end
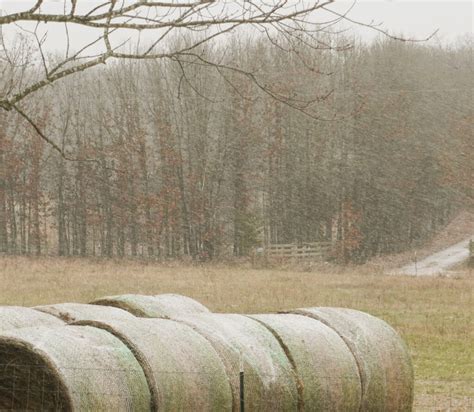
(69, 368)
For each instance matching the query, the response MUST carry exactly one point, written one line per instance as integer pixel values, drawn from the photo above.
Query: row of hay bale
(170, 353)
(121, 307)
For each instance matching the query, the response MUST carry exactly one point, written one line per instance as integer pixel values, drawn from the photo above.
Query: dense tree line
(168, 159)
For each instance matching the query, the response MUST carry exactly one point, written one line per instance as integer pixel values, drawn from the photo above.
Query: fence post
(241, 380)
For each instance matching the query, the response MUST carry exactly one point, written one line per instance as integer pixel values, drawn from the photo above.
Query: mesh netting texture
(183, 370)
(69, 368)
(169, 353)
(327, 373)
(160, 306)
(16, 317)
(244, 343)
(73, 312)
(384, 362)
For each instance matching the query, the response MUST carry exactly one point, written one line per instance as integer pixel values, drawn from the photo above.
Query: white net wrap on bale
(159, 306)
(183, 370)
(270, 382)
(16, 317)
(72, 368)
(326, 369)
(73, 312)
(384, 362)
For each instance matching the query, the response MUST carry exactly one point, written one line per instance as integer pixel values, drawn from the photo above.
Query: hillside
(459, 229)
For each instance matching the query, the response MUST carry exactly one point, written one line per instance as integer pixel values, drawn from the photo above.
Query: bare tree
(142, 29)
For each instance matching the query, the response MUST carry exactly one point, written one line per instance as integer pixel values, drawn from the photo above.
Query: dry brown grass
(434, 315)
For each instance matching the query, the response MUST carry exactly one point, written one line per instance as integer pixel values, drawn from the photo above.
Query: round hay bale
(382, 356)
(159, 306)
(16, 317)
(270, 382)
(183, 370)
(72, 368)
(73, 312)
(328, 375)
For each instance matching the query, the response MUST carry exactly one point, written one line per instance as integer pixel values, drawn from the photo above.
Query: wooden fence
(311, 251)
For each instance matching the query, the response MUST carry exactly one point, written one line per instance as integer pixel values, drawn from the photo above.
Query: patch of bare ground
(459, 229)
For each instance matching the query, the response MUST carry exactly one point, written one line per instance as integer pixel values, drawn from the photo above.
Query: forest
(167, 159)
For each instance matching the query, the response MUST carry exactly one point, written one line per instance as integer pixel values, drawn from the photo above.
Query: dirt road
(438, 262)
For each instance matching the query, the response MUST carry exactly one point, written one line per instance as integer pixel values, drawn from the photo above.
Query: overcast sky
(419, 18)
(411, 18)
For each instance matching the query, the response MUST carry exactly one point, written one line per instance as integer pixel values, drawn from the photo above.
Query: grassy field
(433, 315)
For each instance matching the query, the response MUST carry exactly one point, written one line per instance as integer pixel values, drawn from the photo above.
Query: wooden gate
(312, 251)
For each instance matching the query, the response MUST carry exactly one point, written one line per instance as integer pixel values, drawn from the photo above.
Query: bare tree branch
(287, 24)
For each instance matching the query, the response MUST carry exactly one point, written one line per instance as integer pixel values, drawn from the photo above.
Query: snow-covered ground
(438, 262)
